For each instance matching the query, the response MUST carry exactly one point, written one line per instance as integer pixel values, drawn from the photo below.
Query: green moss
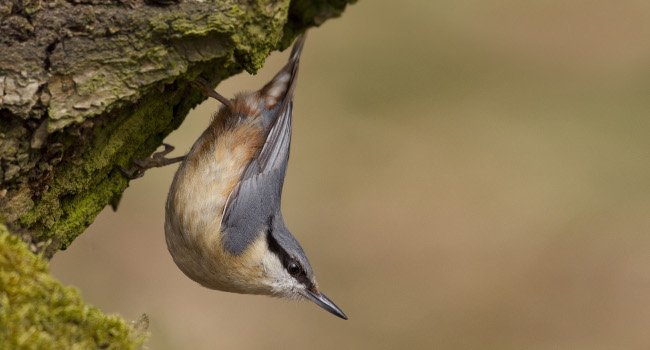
(30, 7)
(234, 37)
(37, 312)
(82, 188)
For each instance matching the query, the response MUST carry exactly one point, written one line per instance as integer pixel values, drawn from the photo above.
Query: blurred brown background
(464, 175)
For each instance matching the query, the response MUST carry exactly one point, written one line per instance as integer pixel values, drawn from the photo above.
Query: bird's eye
(294, 268)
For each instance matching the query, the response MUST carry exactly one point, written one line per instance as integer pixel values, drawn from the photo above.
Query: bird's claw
(156, 160)
(207, 91)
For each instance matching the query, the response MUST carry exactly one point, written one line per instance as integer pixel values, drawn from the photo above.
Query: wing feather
(257, 196)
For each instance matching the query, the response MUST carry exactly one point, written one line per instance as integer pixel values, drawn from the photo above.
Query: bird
(223, 224)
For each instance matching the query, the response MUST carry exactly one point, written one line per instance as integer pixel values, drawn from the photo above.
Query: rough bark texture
(87, 86)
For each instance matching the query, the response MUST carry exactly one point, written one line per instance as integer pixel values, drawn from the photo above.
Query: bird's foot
(205, 88)
(156, 160)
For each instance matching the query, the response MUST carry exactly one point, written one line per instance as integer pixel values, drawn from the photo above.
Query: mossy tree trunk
(87, 86)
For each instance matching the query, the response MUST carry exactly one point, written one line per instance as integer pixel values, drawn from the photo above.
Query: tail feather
(280, 88)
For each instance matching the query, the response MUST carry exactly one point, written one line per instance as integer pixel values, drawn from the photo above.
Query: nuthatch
(223, 223)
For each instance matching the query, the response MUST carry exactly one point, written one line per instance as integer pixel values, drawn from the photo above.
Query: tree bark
(86, 86)
(89, 85)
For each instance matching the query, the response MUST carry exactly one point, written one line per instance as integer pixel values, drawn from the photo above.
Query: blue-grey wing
(274, 154)
(256, 198)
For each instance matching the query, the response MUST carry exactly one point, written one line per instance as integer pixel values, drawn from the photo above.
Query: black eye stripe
(285, 258)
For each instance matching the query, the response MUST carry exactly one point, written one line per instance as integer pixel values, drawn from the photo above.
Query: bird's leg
(156, 160)
(203, 85)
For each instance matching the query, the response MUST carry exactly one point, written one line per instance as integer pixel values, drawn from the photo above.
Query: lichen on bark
(87, 86)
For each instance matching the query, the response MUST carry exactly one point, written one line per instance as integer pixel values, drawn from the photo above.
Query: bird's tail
(280, 89)
(297, 47)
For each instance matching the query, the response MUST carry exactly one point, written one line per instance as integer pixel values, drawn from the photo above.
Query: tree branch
(86, 86)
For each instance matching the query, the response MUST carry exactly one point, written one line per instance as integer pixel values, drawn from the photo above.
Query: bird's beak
(321, 300)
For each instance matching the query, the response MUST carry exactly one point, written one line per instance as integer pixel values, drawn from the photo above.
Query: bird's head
(283, 270)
